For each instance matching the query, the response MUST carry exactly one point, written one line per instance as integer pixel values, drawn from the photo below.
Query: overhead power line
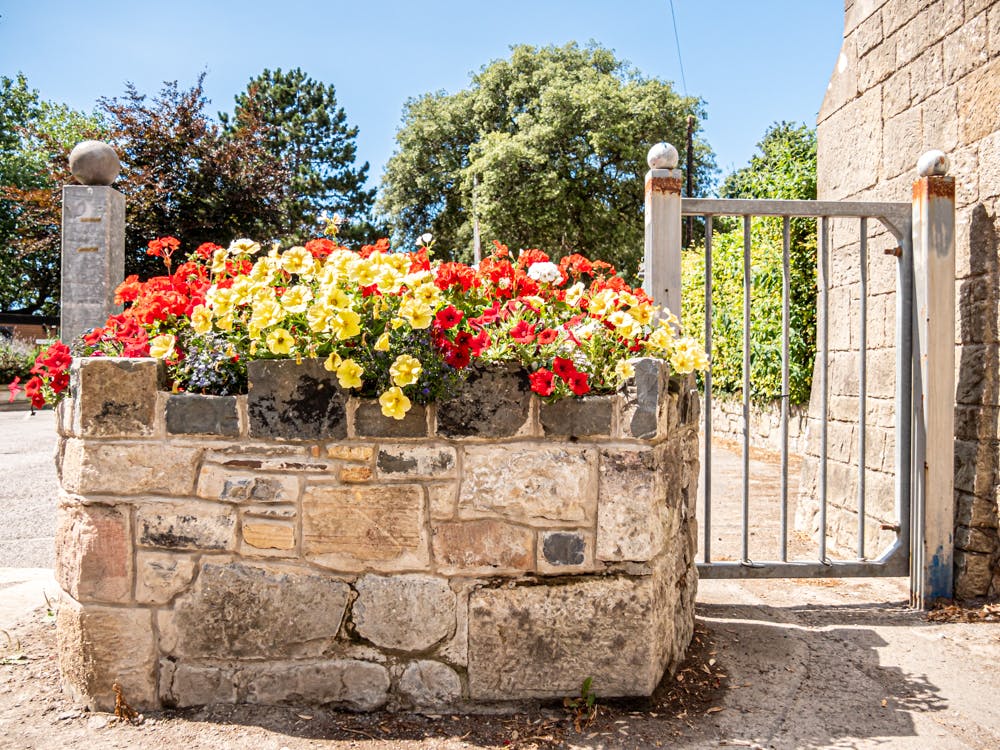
(677, 40)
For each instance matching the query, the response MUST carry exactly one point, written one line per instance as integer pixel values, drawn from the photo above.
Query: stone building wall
(765, 424)
(913, 75)
(294, 545)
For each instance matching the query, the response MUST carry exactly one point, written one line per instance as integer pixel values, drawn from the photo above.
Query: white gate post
(932, 575)
(93, 241)
(662, 256)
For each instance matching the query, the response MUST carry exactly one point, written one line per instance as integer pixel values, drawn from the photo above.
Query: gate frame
(925, 361)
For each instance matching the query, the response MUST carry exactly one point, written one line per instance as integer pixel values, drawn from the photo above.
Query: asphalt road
(28, 489)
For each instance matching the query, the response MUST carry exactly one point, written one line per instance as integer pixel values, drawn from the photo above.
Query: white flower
(425, 238)
(545, 272)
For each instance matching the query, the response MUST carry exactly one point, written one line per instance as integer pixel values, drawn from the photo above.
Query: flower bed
(295, 545)
(368, 479)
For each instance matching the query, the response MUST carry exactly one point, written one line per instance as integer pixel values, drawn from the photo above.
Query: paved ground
(809, 664)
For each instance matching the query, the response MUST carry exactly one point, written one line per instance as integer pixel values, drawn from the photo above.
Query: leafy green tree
(183, 176)
(304, 127)
(35, 139)
(784, 167)
(546, 149)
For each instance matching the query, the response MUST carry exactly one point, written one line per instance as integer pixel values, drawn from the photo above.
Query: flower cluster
(49, 377)
(390, 325)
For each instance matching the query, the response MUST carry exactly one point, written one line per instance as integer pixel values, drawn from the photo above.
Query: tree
(303, 126)
(546, 149)
(784, 167)
(35, 139)
(183, 176)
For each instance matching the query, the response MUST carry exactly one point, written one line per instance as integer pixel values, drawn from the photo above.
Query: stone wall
(294, 545)
(913, 75)
(765, 424)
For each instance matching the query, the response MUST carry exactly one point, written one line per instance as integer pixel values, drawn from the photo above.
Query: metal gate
(923, 401)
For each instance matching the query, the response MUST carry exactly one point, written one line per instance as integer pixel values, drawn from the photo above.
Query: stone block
(91, 468)
(643, 398)
(973, 574)
(404, 612)
(484, 547)
(868, 34)
(911, 39)
(578, 417)
(217, 482)
(846, 166)
(630, 509)
(99, 646)
(363, 526)
(261, 534)
(194, 414)
(979, 103)
(94, 553)
(975, 511)
(370, 422)
(902, 136)
(993, 30)
(843, 85)
(346, 683)
(237, 610)
(416, 462)
(430, 684)
(535, 484)
(493, 402)
(352, 474)
(160, 576)
(565, 551)
(976, 540)
(116, 396)
(348, 452)
(544, 641)
(292, 401)
(185, 525)
(443, 500)
(877, 65)
(184, 685)
(966, 48)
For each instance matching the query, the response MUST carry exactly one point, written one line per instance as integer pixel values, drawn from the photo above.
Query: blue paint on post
(939, 575)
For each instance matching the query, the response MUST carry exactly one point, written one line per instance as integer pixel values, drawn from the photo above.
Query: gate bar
(707, 445)
(747, 280)
(862, 386)
(824, 366)
(785, 395)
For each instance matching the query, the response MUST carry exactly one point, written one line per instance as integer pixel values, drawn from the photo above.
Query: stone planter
(293, 545)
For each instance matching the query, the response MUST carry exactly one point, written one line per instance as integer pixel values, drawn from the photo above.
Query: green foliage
(547, 148)
(784, 168)
(35, 139)
(304, 128)
(16, 359)
(183, 176)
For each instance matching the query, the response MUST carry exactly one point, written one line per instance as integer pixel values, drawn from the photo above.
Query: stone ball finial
(933, 162)
(662, 156)
(94, 163)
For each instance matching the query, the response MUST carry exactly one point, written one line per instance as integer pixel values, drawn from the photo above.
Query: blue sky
(753, 62)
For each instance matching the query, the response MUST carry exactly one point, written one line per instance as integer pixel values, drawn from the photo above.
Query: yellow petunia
(297, 260)
(201, 319)
(405, 370)
(624, 370)
(296, 298)
(280, 341)
(394, 403)
(332, 362)
(219, 258)
(346, 324)
(382, 345)
(417, 314)
(349, 374)
(162, 346)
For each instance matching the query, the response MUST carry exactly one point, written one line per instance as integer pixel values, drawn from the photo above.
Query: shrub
(16, 360)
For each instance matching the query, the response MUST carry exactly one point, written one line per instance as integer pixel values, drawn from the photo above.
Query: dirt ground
(786, 664)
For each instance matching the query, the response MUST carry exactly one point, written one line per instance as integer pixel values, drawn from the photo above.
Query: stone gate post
(93, 240)
(662, 254)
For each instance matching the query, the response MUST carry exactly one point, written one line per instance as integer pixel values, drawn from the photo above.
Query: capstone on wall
(914, 75)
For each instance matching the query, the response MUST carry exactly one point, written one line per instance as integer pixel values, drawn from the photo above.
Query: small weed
(584, 707)
(123, 711)
(12, 646)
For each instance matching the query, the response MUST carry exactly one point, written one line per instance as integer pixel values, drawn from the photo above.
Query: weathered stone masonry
(295, 546)
(915, 75)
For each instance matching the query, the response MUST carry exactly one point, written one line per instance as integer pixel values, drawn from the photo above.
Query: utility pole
(690, 177)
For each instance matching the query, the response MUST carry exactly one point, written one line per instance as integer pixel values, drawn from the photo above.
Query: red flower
(449, 317)
(14, 388)
(479, 342)
(541, 382)
(529, 257)
(547, 336)
(57, 357)
(322, 247)
(163, 247)
(577, 383)
(564, 368)
(33, 390)
(458, 358)
(205, 250)
(523, 332)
